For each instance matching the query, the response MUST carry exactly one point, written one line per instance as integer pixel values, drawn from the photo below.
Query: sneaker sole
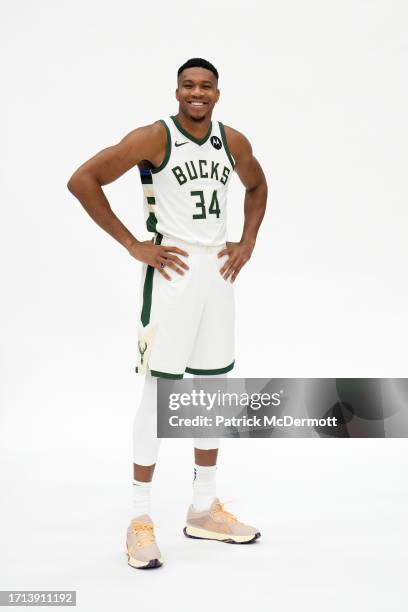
(202, 534)
(137, 564)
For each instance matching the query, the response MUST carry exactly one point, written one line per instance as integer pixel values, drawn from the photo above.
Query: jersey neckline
(199, 141)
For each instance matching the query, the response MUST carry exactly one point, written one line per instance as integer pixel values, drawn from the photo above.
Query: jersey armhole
(225, 143)
(168, 149)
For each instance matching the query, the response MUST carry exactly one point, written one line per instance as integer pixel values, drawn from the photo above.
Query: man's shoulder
(234, 134)
(156, 128)
(237, 141)
(152, 135)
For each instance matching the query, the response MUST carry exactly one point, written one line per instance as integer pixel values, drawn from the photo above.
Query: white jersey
(186, 196)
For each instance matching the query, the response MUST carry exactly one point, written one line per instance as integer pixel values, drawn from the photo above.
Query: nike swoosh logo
(179, 144)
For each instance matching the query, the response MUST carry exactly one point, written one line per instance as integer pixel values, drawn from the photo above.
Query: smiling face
(197, 93)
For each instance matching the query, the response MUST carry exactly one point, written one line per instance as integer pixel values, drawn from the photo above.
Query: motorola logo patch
(216, 142)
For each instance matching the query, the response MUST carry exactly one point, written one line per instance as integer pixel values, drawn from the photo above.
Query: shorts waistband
(193, 246)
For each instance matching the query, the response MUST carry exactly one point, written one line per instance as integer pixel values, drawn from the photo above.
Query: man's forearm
(90, 194)
(254, 210)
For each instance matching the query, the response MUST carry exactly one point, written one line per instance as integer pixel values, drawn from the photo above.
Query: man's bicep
(110, 163)
(246, 165)
(248, 168)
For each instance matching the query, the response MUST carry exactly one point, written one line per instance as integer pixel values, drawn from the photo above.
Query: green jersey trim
(226, 147)
(199, 141)
(168, 149)
(151, 222)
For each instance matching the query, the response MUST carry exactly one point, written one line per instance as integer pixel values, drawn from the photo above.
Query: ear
(177, 96)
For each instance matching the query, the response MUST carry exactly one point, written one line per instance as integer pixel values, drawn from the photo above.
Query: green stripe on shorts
(148, 290)
(165, 374)
(217, 371)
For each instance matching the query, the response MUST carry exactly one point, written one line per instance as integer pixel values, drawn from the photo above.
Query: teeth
(197, 103)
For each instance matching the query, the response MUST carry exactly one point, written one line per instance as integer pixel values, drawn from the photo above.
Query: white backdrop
(320, 91)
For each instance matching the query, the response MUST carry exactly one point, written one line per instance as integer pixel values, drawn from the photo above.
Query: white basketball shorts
(187, 324)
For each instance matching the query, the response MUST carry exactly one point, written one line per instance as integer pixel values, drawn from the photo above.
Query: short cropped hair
(198, 62)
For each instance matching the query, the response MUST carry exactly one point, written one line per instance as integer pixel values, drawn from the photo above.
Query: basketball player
(186, 163)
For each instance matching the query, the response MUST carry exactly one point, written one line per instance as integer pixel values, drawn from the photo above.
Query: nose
(196, 91)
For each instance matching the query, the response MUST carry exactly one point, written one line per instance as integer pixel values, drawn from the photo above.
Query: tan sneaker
(141, 548)
(218, 524)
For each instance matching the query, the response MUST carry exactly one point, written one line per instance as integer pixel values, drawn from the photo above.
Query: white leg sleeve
(146, 444)
(208, 443)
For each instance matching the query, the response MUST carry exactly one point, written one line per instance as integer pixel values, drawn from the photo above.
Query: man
(187, 316)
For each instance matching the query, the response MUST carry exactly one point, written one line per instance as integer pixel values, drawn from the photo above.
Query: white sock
(204, 486)
(141, 497)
